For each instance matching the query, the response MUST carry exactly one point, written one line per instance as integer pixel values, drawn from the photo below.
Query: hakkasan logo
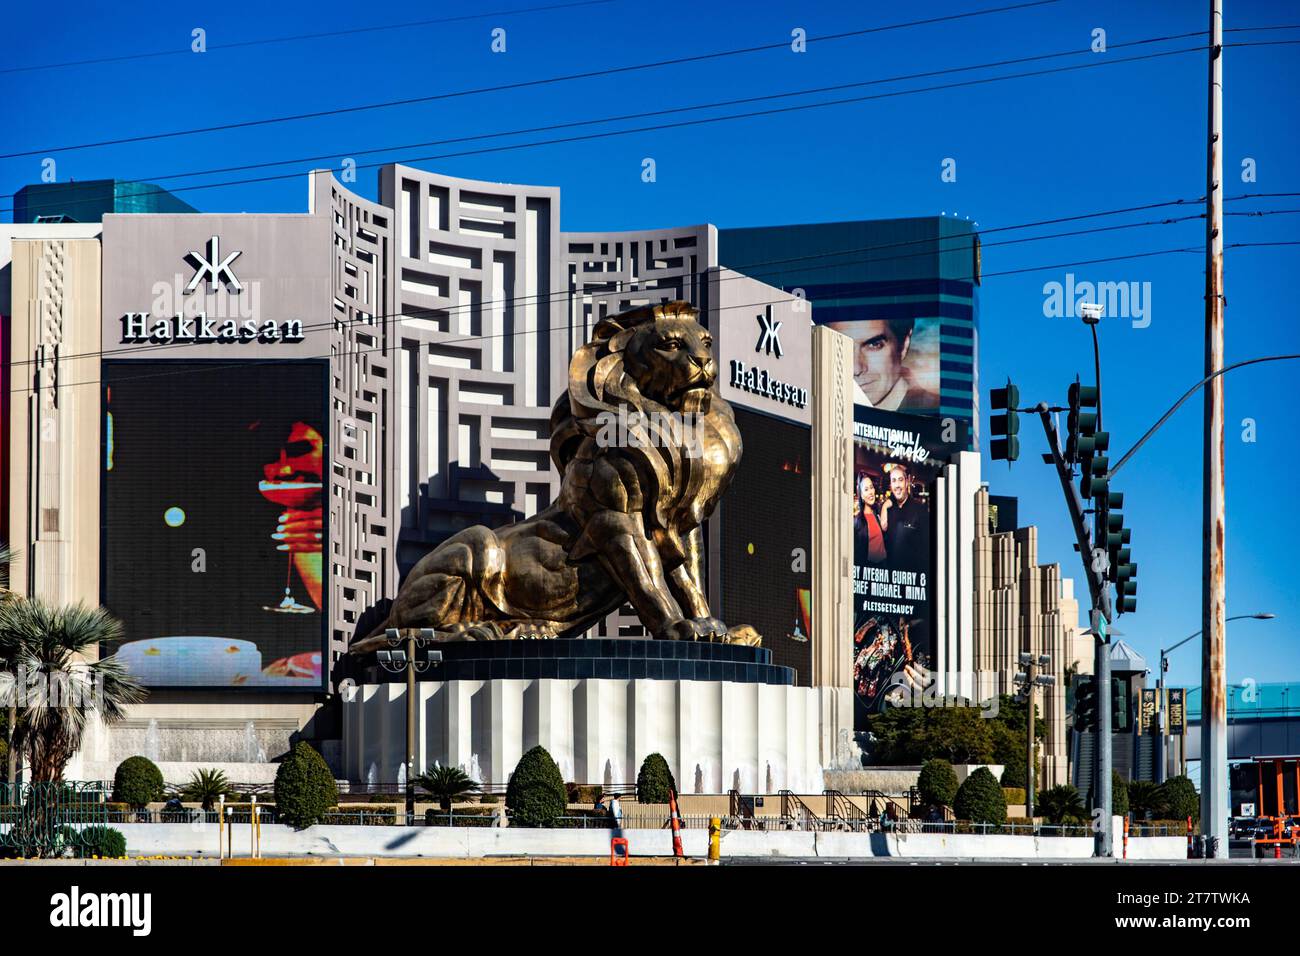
(221, 324)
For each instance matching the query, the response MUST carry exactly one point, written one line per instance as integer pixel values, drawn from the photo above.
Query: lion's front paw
(695, 629)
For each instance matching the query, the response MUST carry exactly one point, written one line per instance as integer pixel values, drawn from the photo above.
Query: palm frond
(50, 650)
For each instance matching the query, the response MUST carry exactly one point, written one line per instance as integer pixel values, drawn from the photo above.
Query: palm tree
(206, 787)
(1061, 803)
(51, 645)
(11, 724)
(446, 783)
(1144, 799)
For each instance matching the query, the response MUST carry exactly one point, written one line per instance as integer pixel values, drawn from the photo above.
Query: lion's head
(656, 360)
(670, 357)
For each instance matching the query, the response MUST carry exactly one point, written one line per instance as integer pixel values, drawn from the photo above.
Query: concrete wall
(54, 420)
(181, 839)
(832, 544)
(715, 735)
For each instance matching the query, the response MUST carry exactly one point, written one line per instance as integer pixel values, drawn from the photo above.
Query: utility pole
(1214, 691)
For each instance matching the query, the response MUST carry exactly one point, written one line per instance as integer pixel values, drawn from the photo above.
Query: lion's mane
(600, 385)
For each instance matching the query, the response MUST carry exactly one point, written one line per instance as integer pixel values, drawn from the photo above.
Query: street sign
(1177, 711)
(1147, 712)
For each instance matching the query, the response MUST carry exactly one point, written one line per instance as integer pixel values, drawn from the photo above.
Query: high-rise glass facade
(91, 200)
(906, 290)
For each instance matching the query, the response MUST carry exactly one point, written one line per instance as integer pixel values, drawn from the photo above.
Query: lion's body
(625, 525)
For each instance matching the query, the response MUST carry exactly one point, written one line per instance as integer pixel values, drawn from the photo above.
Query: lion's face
(671, 361)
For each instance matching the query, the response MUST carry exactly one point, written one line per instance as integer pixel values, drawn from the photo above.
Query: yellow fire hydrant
(715, 840)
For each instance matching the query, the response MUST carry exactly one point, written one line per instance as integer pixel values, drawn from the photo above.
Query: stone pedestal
(723, 716)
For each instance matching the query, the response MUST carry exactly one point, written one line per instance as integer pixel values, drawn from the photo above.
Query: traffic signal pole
(1094, 572)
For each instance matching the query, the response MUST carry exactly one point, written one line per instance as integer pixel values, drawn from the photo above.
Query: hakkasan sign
(203, 286)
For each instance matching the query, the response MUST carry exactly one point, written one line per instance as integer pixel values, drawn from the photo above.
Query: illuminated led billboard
(214, 520)
(896, 459)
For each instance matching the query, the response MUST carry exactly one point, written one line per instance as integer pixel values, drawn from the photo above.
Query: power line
(151, 179)
(567, 328)
(293, 38)
(524, 84)
(746, 270)
(677, 125)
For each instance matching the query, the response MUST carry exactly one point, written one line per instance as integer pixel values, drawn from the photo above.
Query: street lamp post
(410, 659)
(1030, 678)
(1160, 685)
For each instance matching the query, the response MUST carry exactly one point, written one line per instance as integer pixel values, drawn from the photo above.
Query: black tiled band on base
(621, 659)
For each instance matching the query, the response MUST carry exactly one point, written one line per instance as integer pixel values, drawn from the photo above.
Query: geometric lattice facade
(457, 305)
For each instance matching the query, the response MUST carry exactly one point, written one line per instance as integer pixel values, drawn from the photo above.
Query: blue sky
(1029, 149)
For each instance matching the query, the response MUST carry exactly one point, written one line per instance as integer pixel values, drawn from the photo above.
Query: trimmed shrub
(102, 842)
(1009, 750)
(1179, 800)
(654, 780)
(137, 782)
(535, 795)
(937, 782)
(1013, 794)
(1118, 794)
(304, 787)
(980, 799)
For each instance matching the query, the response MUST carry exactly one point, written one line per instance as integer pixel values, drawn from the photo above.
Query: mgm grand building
(239, 433)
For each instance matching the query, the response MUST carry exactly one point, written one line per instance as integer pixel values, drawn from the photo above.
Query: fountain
(253, 751)
(475, 771)
(372, 774)
(699, 777)
(151, 740)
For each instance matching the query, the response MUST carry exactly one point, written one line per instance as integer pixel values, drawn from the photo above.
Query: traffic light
(1084, 444)
(1123, 572)
(1080, 423)
(1126, 587)
(1004, 443)
(1085, 705)
(1119, 705)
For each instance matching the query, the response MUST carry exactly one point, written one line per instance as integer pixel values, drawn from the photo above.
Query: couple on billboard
(891, 524)
(893, 527)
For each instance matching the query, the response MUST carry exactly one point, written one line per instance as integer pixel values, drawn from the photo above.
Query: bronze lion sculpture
(645, 449)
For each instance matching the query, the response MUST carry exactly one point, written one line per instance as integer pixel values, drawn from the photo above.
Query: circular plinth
(600, 659)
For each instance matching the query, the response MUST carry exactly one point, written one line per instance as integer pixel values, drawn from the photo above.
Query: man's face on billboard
(899, 486)
(879, 363)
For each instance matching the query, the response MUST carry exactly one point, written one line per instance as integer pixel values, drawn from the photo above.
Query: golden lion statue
(645, 449)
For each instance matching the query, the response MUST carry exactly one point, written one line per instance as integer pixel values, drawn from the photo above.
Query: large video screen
(896, 459)
(766, 537)
(214, 521)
